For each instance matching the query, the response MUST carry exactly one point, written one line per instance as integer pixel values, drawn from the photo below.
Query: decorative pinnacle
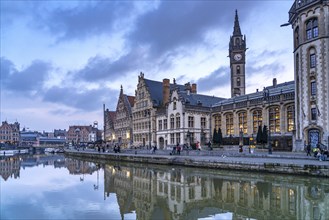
(236, 31)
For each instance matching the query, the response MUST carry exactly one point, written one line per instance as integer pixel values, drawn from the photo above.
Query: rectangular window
(172, 122)
(315, 32)
(165, 125)
(177, 138)
(190, 122)
(312, 61)
(177, 122)
(160, 125)
(203, 122)
(172, 139)
(309, 34)
(313, 88)
(313, 113)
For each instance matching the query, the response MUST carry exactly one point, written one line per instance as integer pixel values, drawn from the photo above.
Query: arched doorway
(161, 143)
(313, 137)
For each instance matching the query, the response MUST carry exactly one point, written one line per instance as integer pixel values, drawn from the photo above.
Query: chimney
(165, 91)
(193, 90)
(187, 88)
(274, 82)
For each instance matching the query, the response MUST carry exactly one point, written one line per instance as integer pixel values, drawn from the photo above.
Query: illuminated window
(218, 120)
(290, 117)
(243, 121)
(274, 116)
(229, 124)
(257, 119)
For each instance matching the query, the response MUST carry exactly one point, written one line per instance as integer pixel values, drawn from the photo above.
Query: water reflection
(70, 188)
(184, 193)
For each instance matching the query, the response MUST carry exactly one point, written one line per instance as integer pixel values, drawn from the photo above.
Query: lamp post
(241, 140)
(266, 95)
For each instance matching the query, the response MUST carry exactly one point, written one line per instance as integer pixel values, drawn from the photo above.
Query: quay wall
(306, 169)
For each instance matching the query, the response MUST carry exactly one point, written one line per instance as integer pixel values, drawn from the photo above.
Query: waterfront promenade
(295, 163)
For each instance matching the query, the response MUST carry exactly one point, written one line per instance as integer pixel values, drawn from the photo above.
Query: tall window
(312, 60)
(172, 122)
(177, 138)
(165, 124)
(203, 122)
(172, 138)
(177, 121)
(313, 88)
(274, 116)
(175, 105)
(243, 121)
(160, 125)
(238, 83)
(190, 121)
(257, 119)
(229, 124)
(313, 114)
(297, 37)
(238, 70)
(218, 120)
(312, 29)
(290, 117)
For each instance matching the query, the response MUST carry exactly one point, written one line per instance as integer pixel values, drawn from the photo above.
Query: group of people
(318, 152)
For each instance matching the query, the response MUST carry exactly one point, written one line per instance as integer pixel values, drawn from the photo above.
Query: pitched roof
(197, 99)
(285, 87)
(156, 90)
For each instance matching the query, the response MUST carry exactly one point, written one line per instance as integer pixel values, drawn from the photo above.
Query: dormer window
(312, 29)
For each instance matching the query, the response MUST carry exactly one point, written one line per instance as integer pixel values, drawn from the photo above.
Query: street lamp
(241, 140)
(266, 95)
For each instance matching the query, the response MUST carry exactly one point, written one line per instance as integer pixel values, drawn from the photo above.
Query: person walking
(308, 150)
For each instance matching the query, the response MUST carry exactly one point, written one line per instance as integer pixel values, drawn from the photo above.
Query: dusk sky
(62, 60)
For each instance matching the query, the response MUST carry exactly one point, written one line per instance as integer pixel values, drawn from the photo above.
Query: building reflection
(183, 193)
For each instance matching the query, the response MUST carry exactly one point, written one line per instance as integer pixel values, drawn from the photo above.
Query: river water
(55, 187)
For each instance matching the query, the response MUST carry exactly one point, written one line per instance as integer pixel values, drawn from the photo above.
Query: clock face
(237, 56)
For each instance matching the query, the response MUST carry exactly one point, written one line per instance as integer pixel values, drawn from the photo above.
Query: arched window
(274, 119)
(243, 122)
(218, 120)
(290, 117)
(229, 124)
(177, 120)
(312, 29)
(257, 119)
(237, 42)
(238, 83)
(237, 69)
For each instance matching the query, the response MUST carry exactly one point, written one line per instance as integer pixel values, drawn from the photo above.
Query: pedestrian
(209, 145)
(178, 149)
(308, 149)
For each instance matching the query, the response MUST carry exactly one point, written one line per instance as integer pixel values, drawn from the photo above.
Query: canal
(58, 187)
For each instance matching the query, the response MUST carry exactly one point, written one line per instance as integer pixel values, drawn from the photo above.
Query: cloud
(84, 100)
(28, 80)
(216, 79)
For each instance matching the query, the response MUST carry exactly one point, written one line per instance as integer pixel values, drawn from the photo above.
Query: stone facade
(310, 24)
(123, 133)
(9, 133)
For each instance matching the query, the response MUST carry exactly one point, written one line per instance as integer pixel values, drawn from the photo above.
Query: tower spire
(236, 31)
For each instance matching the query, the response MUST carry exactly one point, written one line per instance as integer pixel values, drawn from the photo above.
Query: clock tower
(237, 54)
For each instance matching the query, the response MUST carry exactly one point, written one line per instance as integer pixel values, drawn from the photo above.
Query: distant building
(79, 134)
(9, 133)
